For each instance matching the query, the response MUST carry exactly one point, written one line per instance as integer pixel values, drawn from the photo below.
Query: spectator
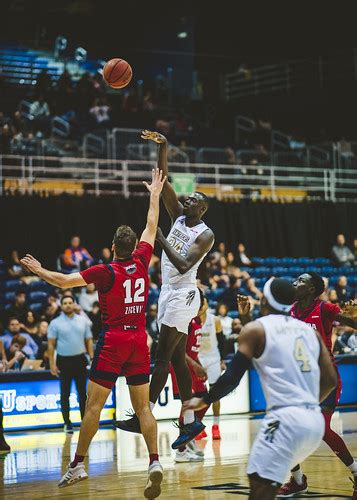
(87, 297)
(148, 102)
(29, 324)
(221, 249)
(352, 342)
(51, 312)
(325, 293)
(95, 316)
(229, 296)
(341, 253)
(40, 335)
(231, 156)
(242, 257)
(232, 340)
(101, 113)
(76, 257)
(19, 308)
(226, 321)
(14, 328)
(15, 268)
(105, 256)
(70, 335)
(41, 115)
(15, 353)
(43, 82)
(253, 290)
(343, 291)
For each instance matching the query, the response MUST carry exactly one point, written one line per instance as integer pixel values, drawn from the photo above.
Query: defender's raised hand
(350, 308)
(31, 263)
(157, 182)
(243, 304)
(153, 136)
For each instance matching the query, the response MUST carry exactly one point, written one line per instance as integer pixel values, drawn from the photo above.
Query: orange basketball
(117, 73)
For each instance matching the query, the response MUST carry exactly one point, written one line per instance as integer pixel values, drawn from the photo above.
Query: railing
(29, 174)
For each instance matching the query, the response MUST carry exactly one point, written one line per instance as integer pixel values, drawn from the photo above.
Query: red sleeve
(100, 275)
(331, 310)
(143, 252)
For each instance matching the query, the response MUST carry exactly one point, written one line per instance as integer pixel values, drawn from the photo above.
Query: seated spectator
(231, 345)
(14, 328)
(231, 156)
(226, 321)
(242, 257)
(332, 296)
(96, 318)
(41, 115)
(101, 113)
(340, 336)
(15, 353)
(253, 290)
(229, 296)
(51, 311)
(87, 297)
(30, 323)
(105, 256)
(76, 257)
(352, 342)
(40, 336)
(341, 254)
(222, 249)
(19, 308)
(343, 291)
(15, 269)
(325, 293)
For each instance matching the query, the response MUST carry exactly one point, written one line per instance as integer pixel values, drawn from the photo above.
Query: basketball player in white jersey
(211, 355)
(187, 244)
(296, 373)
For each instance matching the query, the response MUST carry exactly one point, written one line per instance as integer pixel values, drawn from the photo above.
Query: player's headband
(271, 299)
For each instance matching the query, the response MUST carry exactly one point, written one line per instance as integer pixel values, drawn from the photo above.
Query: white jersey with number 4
(288, 368)
(181, 238)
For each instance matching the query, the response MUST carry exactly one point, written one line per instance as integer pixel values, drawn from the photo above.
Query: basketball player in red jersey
(320, 315)
(122, 345)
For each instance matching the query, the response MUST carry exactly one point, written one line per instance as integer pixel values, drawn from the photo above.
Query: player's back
(124, 303)
(289, 368)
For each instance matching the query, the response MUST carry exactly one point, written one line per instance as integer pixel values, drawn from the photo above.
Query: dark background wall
(43, 226)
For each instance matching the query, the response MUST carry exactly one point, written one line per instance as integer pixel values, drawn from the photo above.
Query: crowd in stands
(28, 305)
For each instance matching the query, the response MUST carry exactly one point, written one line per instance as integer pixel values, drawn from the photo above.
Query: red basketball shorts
(198, 386)
(121, 352)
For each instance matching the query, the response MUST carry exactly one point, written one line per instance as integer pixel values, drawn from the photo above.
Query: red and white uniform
(122, 347)
(321, 316)
(192, 350)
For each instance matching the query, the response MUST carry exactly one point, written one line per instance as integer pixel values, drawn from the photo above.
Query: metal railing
(30, 174)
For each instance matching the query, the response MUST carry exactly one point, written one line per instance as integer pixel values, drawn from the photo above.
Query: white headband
(272, 301)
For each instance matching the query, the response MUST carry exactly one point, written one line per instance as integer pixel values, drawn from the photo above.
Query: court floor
(118, 462)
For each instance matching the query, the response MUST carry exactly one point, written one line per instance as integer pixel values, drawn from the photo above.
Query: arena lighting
(80, 54)
(182, 34)
(60, 45)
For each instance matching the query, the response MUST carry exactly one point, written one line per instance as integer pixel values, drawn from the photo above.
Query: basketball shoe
(193, 447)
(73, 475)
(215, 432)
(153, 486)
(130, 425)
(68, 428)
(201, 435)
(354, 494)
(187, 433)
(292, 488)
(187, 455)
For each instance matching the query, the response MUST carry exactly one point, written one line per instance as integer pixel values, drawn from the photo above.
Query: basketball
(117, 73)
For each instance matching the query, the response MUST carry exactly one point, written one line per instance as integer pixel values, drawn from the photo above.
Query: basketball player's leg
(169, 338)
(139, 395)
(261, 488)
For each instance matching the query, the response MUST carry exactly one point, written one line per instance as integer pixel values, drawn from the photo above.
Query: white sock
(297, 475)
(152, 406)
(216, 420)
(353, 468)
(189, 417)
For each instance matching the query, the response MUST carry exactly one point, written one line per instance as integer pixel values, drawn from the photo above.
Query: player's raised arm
(57, 279)
(201, 246)
(155, 188)
(348, 315)
(171, 202)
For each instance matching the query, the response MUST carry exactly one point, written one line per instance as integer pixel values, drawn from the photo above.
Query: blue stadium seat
(328, 270)
(36, 306)
(233, 314)
(321, 261)
(288, 261)
(10, 297)
(261, 271)
(332, 281)
(296, 271)
(258, 260)
(13, 285)
(291, 279)
(216, 294)
(37, 297)
(279, 271)
(304, 261)
(271, 261)
(312, 269)
(40, 286)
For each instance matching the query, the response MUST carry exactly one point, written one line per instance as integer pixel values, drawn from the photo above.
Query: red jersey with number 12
(320, 316)
(194, 338)
(123, 288)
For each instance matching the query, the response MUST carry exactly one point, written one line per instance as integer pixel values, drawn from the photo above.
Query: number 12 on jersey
(139, 290)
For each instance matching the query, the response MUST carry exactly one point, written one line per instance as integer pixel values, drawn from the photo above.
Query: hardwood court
(118, 462)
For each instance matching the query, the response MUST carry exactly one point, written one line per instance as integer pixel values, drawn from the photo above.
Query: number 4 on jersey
(301, 355)
(139, 287)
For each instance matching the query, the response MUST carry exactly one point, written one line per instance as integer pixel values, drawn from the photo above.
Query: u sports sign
(34, 404)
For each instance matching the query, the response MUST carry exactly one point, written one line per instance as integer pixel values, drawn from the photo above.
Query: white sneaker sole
(153, 489)
(73, 481)
(291, 495)
(187, 460)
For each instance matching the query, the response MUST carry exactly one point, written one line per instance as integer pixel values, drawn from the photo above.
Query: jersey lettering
(139, 287)
(301, 355)
(134, 309)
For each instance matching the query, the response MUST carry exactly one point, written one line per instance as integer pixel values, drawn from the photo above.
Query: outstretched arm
(154, 189)
(172, 204)
(348, 314)
(202, 245)
(57, 279)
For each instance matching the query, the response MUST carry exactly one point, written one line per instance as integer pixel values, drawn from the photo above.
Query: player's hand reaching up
(349, 309)
(194, 404)
(243, 304)
(153, 136)
(157, 182)
(31, 263)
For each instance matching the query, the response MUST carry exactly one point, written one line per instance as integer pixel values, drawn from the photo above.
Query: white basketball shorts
(286, 438)
(177, 306)
(212, 367)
